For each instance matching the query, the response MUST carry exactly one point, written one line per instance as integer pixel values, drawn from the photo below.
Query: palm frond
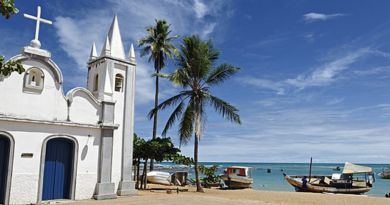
(220, 74)
(227, 110)
(186, 126)
(157, 44)
(172, 119)
(180, 77)
(169, 102)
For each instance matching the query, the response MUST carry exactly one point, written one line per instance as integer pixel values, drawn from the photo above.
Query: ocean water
(275, 181)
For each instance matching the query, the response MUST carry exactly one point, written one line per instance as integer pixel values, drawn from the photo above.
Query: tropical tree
(210, 175)
(138, 154)
(158, 149)
(7, 8)
(158, 45)
(197, 72)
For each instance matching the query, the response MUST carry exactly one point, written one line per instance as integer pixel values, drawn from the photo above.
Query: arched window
(118, 83)
(33, 79)
(96, 83)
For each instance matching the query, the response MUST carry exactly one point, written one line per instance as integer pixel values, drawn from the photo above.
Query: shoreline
(245, 196)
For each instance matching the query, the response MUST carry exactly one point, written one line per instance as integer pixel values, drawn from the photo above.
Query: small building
(74, 146)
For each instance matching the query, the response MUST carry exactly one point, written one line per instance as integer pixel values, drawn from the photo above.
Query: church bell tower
(111, 79)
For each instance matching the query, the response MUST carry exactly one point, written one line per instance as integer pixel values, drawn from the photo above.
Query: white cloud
(209, 28)
(76, 33)
(264, 83)
(313, 17)
(72, 36)
(280, 135)
(145, 86)
(335, 101)
(382, 70)
(327, 73)
(200, 9)
(322, 75)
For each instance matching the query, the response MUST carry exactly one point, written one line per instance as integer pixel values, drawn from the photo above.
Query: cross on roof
(35, 42)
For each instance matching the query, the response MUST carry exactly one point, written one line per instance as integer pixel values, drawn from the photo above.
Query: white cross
(38, 19)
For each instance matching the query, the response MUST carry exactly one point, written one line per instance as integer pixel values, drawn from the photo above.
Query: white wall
(29, 138)
(118, 133)
(83, 108)
(50, 104)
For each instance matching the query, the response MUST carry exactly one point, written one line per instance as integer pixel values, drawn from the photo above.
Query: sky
(314, 78)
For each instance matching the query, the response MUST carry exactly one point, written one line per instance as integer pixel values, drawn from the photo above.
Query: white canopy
(350, 168)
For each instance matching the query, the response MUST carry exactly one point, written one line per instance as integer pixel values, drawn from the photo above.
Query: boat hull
(385, 174)
(324, 189)
(155, 177)
(237, 182)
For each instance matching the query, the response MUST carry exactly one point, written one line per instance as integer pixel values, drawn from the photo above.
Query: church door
(58, 169)
(4, 159)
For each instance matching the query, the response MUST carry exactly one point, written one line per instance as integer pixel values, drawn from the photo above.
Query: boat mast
(311, 162)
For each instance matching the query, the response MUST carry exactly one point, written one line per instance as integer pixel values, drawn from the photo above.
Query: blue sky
(314, 79)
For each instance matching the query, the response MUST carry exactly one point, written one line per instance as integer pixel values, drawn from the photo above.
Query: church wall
(84, 109)
(118, 133)
(29, 138)
(17, 101)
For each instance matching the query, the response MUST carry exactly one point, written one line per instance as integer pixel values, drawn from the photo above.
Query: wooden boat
(345, 183)
(157, 177)
(385, 174)
(237, 177)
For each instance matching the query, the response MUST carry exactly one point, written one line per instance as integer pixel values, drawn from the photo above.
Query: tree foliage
(158, 45)
(7, 8)
(180, 159)
(210, 174)
(158, 149)
(197, 72)
(6, 68)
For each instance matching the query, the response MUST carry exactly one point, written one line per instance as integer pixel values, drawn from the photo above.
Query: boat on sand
(157, 177)
(354, 179)
(237, 177)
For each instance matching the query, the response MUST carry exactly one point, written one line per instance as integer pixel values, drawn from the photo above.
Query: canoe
(296, 182)
(156, 177)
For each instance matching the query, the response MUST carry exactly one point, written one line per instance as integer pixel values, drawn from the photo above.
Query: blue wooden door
(58, 169)
(4, 158)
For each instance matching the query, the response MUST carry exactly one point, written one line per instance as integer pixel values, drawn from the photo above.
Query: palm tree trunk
(155, 116)
(198, 184)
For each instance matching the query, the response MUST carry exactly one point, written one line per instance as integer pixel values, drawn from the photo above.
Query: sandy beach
(234, 197)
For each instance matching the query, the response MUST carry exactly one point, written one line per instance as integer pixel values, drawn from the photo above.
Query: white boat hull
(156, 177)
(237, 182)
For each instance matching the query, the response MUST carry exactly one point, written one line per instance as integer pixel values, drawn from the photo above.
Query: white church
(75, 146)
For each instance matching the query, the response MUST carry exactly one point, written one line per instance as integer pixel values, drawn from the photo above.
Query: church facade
(74, 146)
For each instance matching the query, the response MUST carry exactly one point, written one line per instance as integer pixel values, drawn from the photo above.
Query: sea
(269, 176)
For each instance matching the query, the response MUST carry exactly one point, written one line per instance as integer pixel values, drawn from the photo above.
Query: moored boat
(157, 177)
(354, 179)
(237, 177)
(385, 174)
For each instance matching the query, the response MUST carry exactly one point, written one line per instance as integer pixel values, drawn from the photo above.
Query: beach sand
(238, 197)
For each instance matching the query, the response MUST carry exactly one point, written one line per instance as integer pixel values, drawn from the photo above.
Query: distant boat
(337, 169)
(385, 174)
(354, 179)
(157, 177)
(237, 177)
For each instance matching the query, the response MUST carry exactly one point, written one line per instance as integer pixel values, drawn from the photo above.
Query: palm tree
(157, 44)
(196, 74)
